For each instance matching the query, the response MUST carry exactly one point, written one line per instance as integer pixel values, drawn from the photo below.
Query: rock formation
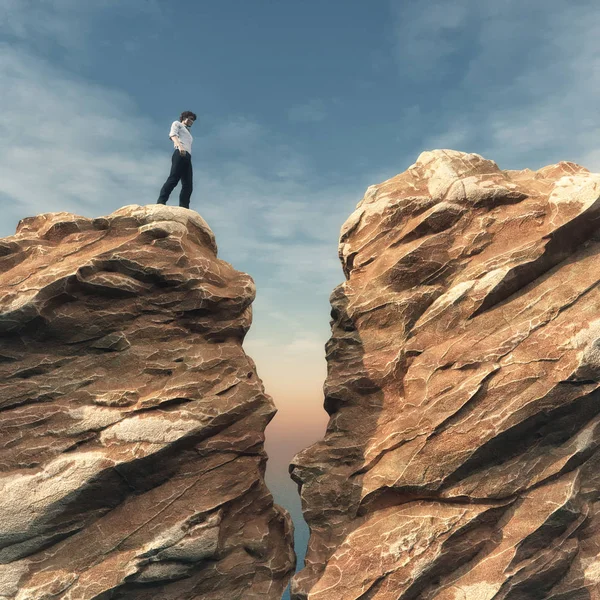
(132, 421)
(461, 458)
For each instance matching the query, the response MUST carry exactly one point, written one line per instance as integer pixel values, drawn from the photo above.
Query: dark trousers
(181, 168)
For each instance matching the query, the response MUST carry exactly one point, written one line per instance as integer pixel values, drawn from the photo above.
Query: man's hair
(185, 114)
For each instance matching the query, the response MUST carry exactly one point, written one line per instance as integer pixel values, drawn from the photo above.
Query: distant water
(300, 543)
(285, 493)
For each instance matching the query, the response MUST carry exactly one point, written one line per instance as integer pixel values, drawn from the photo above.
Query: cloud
(63, 28)
(312, 111)
(56, 21)
(65, 143)
(425, 34)
(457, 137)
(517, 82)
(236, 134)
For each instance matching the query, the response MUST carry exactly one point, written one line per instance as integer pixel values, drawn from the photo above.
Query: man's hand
(178, 145)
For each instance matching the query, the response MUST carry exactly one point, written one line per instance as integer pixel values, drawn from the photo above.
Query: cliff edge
(132, 424)
(461, 457)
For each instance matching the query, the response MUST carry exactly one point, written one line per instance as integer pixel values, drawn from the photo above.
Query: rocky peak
(132, 421)
(461, 457)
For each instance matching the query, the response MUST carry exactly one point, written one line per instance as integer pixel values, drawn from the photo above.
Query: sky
(301, 106)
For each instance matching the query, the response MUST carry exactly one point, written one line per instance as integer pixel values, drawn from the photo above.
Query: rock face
(461, 459)
(132, 421)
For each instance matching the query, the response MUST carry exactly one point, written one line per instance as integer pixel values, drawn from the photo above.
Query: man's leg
(172, 179)
(186, 183)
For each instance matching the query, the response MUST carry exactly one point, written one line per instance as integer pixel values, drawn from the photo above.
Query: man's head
(187, 117)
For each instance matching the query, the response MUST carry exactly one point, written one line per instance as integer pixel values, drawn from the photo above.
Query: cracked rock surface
(132, 422)
(461, 460)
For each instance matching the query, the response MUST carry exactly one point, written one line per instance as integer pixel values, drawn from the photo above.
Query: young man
(181, 161)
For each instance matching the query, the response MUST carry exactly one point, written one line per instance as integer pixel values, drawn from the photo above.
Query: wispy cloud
(65, 25)
(65, 142)
(517, 79)
(424, 34)
(237, 134)
(312, 111)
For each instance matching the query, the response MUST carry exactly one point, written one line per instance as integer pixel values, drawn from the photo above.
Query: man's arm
(177, 142)
(175, 128)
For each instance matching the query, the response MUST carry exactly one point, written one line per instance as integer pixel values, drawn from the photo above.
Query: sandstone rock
(461, 459)
(132, 421)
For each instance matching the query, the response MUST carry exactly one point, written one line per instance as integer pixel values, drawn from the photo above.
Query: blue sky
(301, 106)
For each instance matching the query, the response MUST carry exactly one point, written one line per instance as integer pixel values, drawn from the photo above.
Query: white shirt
(184, 135)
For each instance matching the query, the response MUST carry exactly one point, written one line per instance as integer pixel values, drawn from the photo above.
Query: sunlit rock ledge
(461, 458)
(132, 423)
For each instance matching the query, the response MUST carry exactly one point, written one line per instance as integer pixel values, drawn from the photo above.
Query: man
(181, 161)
